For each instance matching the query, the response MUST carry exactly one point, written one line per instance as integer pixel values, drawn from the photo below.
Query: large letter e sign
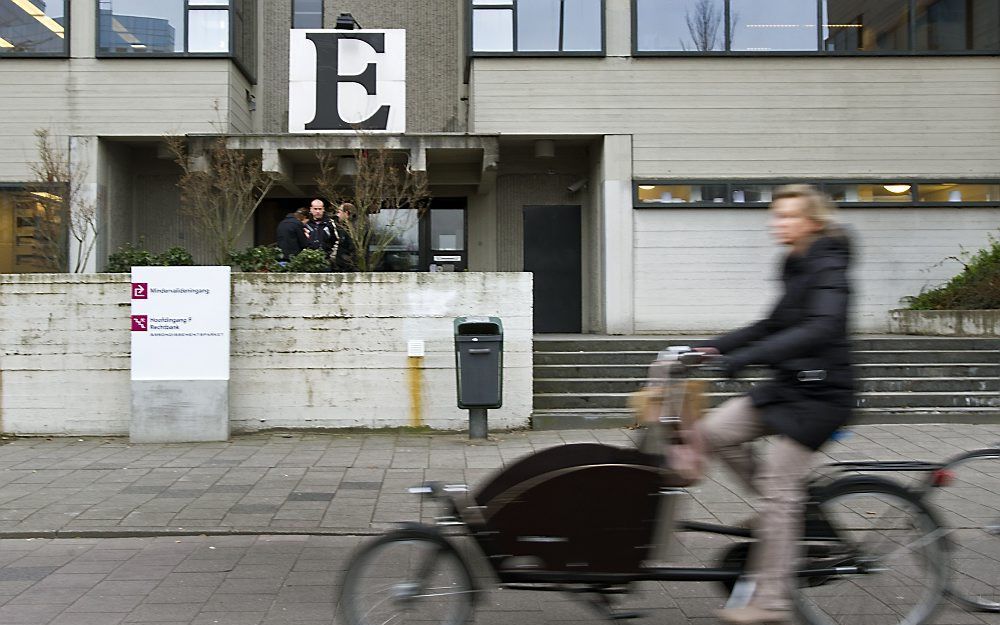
(342, 80)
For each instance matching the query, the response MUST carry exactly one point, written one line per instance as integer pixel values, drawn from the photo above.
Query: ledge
(945, 322)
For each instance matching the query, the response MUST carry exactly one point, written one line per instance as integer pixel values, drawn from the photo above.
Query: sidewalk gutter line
(58, 534)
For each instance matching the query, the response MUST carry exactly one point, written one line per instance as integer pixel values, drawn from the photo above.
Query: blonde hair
(817, 205)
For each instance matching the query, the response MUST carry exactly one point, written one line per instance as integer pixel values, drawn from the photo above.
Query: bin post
(477, 424)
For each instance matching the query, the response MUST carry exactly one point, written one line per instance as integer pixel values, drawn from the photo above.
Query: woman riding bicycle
(804, 339)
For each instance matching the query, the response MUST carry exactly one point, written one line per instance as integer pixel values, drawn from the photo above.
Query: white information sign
(180, 323)
(347, 80)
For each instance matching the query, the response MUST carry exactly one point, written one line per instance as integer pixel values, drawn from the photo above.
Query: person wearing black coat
(804, 340)
(292, 235)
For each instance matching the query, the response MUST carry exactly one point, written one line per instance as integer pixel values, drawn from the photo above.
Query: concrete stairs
(583, 381)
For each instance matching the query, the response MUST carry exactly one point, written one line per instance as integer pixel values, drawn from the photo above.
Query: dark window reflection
(865, 25)
(957, 25)
(680, 25)
(35, 27)
(772, 25)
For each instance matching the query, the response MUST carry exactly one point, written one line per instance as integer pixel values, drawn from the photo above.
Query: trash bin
(479, 362)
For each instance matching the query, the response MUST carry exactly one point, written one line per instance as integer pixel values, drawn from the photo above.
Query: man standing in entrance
(320, 230)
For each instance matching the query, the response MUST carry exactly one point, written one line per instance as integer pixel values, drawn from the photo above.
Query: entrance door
(552, 253)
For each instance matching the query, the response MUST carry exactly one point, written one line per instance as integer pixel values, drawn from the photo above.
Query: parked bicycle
(592, 519)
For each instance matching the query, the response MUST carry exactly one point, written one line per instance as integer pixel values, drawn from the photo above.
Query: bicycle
(592, 519)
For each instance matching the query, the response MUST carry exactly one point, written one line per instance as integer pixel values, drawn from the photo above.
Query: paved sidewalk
(302, 500)
(324, 483)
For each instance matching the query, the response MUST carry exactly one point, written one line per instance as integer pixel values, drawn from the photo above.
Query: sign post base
(478, 429)
(179, 411)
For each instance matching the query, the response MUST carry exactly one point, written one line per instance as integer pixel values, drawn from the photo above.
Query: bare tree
(220, 189)
(388, 197)
(66, 215)
(703, 25)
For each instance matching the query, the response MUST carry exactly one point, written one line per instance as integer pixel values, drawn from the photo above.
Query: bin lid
(478, 325)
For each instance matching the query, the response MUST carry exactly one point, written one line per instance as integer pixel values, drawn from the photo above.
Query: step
(963, 384)
(656, 343)
(643, 358)
(570, 419)
(861, 371)
(946, 399)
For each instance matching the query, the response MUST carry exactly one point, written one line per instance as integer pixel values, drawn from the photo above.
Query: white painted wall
(308, 350)
(706, 270)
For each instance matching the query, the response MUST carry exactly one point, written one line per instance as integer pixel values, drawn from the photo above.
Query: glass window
(680, 25)
(952, 25)
(447, 229)
(208, 31)
(29, 27)
(772, 25)
(403, 251)
(539, 25)
(865, 25)
(307, 13)
(682, 193)
(888, 192)
(159, 27)
(752, 193)
(958, 192)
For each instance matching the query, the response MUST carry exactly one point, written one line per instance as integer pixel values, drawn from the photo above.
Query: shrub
(977, 287)
(309, 261)
(129, 256)
(262, 258)
(175, 257)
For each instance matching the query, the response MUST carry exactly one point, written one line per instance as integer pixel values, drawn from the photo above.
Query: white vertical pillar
(618, 235)
(85, 210)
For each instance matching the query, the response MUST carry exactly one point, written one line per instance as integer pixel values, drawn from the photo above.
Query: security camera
(577, 185)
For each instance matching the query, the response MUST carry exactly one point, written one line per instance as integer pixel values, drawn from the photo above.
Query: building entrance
(552, 252)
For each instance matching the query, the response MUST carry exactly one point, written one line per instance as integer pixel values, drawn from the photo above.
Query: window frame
(820, 52)
(732, 184)
(65, 54)
(471, 53)
(231, 8)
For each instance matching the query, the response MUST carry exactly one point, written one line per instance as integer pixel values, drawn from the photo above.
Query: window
(867, 193)
(34, 28)
(33, 233)
(815, 26)
(537, 26)
(144, 27)
(307, 13)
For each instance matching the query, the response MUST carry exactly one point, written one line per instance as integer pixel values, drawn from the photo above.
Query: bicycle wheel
(969, 506)
(411, 575)
(887, 534)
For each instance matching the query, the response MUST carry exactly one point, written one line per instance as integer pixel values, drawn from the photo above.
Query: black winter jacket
(291, 236)
(804, 339)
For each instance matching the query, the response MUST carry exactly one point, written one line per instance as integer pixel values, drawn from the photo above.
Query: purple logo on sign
(140, 323)
(140, 290)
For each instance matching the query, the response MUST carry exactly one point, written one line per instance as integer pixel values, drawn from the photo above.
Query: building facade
(623, 151)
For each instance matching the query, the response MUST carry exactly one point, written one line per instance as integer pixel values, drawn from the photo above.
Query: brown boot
(752, 615)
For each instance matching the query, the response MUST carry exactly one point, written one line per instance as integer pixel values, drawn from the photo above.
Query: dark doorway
(552, 252)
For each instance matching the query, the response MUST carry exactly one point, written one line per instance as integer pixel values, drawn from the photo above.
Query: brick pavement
(127, 498)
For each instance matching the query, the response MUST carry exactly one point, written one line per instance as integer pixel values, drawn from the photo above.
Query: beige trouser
(778, 479)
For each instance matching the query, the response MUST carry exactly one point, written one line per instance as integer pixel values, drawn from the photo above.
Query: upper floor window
(537, 27)
(816, 26)
(307, 13)
(164, 27)
(33, 28)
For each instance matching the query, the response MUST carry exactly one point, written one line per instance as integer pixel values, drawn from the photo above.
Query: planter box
(307, 350)
(945, 322)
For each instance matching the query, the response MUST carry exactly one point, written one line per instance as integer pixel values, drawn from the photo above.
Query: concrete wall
(704, 270)
(308, 350)
(435, 56)
(759, 117)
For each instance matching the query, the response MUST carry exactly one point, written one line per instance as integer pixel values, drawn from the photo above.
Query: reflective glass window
(33, 27)
(208, 31)
(447, 229)
(403, 251)
(307, 13)
(954, 25)
(752, 193)
(493, 30)
(865, 25)
(888, 192)
(582, 21)
(540, 25)
(958, 192)
(682, 193)
(772, 25)
(159, 26)
(680, 25)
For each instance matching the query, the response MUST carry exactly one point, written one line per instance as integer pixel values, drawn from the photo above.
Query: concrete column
(85, 210)
(618, 236)
(618, 29)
